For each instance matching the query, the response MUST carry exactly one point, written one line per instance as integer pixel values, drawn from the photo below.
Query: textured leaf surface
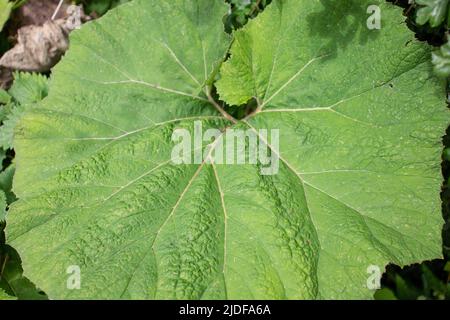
(360, 135)
(109, 123)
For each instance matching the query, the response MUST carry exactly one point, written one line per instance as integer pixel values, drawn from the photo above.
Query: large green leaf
(11, 277)
(6, 178)
(360, 119)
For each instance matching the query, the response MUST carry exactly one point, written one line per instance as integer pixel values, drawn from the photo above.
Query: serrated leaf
(441, 60)
(353, 106)
(11, 277)
(360, 125)
(432, 285)
(5, 98)
(432, 11)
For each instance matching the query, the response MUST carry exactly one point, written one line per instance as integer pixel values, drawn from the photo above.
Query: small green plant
(243, 10)
(359, 160)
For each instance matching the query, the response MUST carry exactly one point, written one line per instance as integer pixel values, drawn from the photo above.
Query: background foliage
(429, 19)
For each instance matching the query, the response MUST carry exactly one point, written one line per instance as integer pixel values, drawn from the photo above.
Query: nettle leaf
(8, 126)
(2, 155)
(433, 11)
(360, 122)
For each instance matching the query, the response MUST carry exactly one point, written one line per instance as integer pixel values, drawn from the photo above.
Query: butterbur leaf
(360, 125)
(432, 11)
(11, 277)
(441, 60)
(2, 155)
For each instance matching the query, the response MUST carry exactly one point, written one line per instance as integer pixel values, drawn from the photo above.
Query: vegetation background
(428, 19)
